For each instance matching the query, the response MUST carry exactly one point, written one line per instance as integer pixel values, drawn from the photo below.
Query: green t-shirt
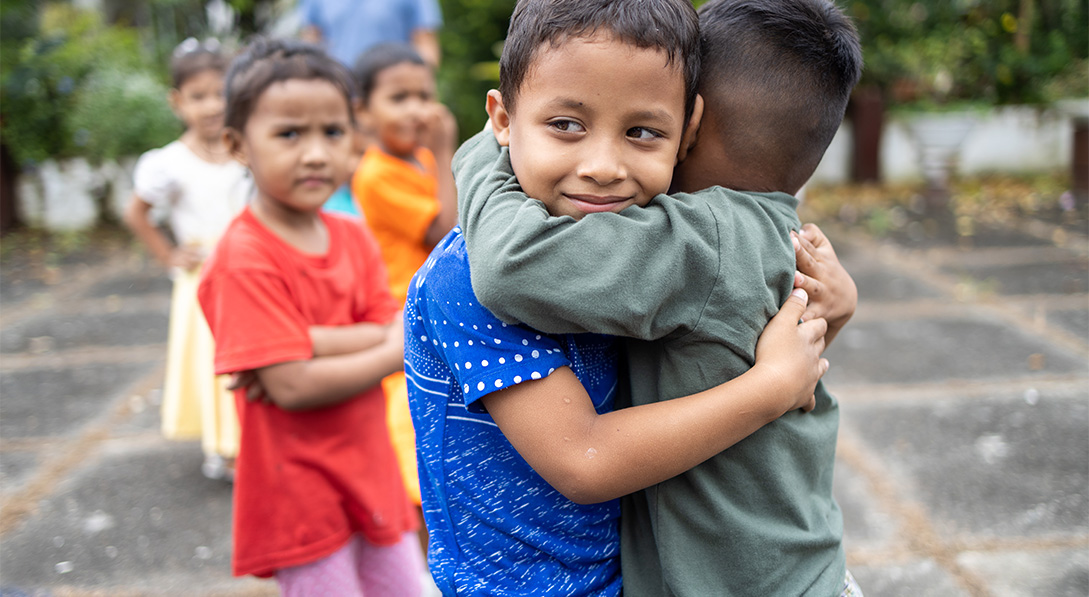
(691, 280)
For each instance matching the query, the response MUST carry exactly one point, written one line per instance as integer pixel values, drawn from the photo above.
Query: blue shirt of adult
(496, 526)
(349, 27)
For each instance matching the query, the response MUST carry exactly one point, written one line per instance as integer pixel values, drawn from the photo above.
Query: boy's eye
(643, 134)
(566, 126)
(288, 134)
(334, 131)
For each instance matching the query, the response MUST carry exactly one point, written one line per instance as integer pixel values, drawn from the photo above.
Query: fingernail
(800, 293)
(794, 241)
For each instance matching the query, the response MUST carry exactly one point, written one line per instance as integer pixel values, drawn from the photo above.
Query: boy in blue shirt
(692, 279)
(521, 456)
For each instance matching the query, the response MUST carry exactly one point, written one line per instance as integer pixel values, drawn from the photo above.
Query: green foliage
(53, 102)
(121, 113)
(996, 51)
(471, 38)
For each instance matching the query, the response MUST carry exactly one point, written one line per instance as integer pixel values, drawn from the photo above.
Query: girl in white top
(196, 183)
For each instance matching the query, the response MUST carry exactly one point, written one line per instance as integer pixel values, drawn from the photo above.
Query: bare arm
(136, 218)
(592, 458)
(426, 44)
(440, 136)
(329, 380)
(331, 340)
(833, 293)
(310, 34)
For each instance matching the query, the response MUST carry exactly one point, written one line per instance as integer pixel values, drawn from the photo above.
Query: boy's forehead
(573, 50)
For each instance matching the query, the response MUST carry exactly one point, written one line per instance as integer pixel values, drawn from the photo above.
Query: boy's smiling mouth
(597, 203)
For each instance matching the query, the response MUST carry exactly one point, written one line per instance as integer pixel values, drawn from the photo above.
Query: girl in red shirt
(299, 298)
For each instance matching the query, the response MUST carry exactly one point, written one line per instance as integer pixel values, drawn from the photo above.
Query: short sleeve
(484, 353)
(253, 321)
(428, 15)
(153, 181)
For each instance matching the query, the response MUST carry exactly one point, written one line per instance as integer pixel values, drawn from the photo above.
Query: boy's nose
(315, 152)
(602, 163)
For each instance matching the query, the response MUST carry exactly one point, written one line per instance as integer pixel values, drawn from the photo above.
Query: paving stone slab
(866, 524)
(49, 402)
(927, 233)
(16, 292)
(941, 348)
(1063, 277)
(874, 286)
(139, 517)
(1031, 573)
(145, 415)
(922, 578)
(123, 328)
(1008, 466)
(1075, 321)
(16, 466)
(152, 281)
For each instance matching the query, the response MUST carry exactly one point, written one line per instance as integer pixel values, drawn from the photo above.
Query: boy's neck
(213, 151)
(304, 230)
(409, 157)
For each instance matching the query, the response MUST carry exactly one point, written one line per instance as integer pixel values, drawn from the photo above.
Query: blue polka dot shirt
(496, 526)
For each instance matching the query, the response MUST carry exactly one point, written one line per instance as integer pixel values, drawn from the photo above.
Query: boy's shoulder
(718, 198)
(245, 245)
(446, 270)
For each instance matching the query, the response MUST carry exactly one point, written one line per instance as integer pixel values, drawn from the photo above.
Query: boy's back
(756, 519)
(696, 277)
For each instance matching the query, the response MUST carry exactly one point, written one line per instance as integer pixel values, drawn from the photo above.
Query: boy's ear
(691, 132)
(362, 115)
(499, 117)
(233, 140)
(174, 98)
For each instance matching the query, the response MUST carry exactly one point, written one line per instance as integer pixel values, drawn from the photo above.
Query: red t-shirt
(305, 480)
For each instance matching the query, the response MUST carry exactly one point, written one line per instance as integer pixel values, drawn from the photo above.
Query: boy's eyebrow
(662, 116)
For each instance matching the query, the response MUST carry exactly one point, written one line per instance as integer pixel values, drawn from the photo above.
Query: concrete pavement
(963, 458)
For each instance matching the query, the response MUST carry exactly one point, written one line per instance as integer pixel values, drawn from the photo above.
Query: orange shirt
(306, 480)
(399, 201)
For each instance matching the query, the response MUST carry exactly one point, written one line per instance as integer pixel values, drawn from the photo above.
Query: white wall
(1014, 139)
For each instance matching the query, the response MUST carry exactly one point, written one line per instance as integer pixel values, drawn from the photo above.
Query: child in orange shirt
(299, 298)
(405, 190)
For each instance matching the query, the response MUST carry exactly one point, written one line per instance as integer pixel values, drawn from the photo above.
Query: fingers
(235, 382)
(806, 255)
(799, 298)
(794, 307)
(812, 233)
(809, 406)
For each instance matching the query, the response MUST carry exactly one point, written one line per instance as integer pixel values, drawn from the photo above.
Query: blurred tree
(471, 39)
(936, 52)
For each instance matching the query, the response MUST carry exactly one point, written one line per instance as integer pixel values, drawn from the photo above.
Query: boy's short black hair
(378, 59)
(193, 57)
(794, 62)
(266, 61)
(669, 25)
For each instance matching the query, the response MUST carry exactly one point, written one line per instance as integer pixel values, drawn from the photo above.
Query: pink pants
(359, 569)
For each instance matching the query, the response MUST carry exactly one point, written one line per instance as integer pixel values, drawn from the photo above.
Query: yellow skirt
(401, 432)
(196, 402)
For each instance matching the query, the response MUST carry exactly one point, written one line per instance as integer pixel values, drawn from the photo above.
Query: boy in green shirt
(692, 279)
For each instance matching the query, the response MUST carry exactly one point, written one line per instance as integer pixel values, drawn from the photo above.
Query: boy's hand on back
(789, 352)
(832, 293)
